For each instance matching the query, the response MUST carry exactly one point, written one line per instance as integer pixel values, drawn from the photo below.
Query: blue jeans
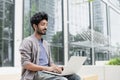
(46, 76)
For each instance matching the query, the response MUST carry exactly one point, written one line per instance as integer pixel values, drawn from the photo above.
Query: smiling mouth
(44, 30)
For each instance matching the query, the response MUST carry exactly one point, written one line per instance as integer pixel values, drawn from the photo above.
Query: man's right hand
(55, 69)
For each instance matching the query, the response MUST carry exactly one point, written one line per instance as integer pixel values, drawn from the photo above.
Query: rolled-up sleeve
(49, 51)
(25, 51)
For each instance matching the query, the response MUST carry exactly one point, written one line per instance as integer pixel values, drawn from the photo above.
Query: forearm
(34, 67)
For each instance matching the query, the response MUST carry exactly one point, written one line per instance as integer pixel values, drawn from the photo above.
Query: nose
(45, 28)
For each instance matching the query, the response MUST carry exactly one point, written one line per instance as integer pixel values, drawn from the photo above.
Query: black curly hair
(37, 17)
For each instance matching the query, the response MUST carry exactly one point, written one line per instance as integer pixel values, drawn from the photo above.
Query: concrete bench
(90, 77)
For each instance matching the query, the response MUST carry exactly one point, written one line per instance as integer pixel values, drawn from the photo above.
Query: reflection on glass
(115, 3)
(1, 5)
(27, 27)
(82, 37)
(115, 31)
(10, 0)
(100, 34)
(79, 28)
(99, 15)
(6, 35)
(78, 17)
(1, 14)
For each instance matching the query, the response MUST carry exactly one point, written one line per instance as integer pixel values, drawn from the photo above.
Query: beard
(41, 32)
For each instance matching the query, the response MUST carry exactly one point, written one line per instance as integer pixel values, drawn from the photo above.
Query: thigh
(46, 76)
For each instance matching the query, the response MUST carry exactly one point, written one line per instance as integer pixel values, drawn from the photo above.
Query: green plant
(114, 61)
(90, 0)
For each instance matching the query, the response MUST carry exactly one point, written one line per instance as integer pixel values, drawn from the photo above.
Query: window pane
(27, 27)
(1, 14)
(10, 0)
(1, 5)
(1, 24)
(7, 35)
(9, 15)
(100, 28)
(115, 27)
(116, 3)
(7, 53)
(0, 42)
(82, 35)
(79, 29)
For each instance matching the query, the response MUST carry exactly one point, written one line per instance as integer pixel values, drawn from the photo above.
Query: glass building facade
(89, 27)
(92, 29)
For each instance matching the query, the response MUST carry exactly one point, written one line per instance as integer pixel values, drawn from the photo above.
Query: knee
(76, 77)
(63, 78)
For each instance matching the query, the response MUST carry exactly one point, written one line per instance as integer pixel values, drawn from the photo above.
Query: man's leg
(46, 76)
(73, 77)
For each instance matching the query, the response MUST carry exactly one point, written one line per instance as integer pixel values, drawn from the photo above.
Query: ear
(34, 26)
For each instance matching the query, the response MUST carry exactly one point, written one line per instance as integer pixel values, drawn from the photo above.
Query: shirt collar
(41, 40)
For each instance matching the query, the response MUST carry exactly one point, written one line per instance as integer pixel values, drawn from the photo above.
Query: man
(35, 53)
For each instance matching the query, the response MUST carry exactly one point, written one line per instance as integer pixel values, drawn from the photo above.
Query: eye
(43, 24)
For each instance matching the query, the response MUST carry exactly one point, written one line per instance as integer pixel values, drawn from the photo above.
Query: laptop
(73, 66)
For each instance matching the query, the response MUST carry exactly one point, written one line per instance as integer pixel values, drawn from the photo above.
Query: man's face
(42, 27)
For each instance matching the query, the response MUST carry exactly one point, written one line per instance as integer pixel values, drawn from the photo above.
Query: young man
(35, 53)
